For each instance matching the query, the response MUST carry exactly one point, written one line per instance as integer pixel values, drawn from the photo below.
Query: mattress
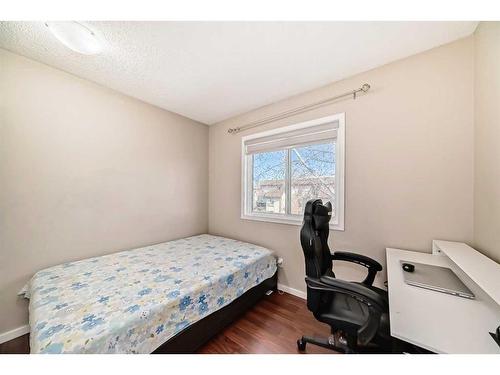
(135, 300)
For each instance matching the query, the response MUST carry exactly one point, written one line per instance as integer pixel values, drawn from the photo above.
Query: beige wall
(487, 140)
(409, 161)
(86, 171)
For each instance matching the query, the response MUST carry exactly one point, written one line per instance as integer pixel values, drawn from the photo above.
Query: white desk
(437, 321)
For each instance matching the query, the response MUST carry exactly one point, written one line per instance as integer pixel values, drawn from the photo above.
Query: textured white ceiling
(210, 71)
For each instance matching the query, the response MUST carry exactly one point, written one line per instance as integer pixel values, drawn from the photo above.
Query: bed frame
(193, 337)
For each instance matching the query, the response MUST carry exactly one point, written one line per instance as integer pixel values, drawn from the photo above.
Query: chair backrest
(314, 241)
(314, 238)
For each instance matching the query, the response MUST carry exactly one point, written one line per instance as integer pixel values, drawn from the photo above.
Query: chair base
(336, 341)
(345, 344)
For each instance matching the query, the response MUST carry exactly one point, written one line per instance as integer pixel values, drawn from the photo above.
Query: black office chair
(357, 312)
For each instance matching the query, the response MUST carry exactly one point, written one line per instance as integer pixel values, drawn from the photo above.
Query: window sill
(283, 220)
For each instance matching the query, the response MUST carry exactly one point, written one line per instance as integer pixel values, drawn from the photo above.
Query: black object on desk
(408, 267)
(496, 336)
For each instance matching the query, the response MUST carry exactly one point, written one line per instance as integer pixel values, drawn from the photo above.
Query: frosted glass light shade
(76, 37)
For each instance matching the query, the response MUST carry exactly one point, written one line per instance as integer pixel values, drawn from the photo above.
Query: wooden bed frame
(193, 337)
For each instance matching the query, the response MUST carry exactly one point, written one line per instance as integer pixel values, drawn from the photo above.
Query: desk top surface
(437, 321)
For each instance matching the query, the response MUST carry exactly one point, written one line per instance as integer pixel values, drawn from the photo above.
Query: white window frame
(337, 223)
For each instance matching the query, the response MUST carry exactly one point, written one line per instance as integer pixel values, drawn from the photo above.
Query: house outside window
(284, 168)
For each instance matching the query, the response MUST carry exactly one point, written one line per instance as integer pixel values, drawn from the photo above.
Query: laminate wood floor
(272, 326)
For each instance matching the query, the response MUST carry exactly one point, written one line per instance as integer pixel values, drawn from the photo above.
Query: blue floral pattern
(133, 301)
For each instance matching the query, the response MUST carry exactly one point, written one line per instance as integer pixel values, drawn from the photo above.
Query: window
(286, 167)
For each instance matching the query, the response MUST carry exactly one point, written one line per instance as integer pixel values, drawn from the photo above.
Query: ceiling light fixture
(76, 36)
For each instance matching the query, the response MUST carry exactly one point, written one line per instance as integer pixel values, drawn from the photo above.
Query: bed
(169, 297)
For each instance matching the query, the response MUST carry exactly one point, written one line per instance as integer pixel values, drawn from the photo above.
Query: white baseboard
(15, 333)
(292, 291)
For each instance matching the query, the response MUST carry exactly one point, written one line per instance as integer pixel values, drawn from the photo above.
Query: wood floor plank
(271, 326)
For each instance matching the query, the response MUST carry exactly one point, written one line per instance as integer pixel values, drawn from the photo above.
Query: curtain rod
(296, 111)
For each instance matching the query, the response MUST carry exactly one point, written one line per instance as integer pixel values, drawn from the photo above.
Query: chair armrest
(372, 265)
(357, 258)
(376, 304)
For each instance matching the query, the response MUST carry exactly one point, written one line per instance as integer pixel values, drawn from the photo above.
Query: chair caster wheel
(301, 345)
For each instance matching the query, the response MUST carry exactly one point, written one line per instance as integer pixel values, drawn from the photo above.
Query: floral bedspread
(135, 300)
